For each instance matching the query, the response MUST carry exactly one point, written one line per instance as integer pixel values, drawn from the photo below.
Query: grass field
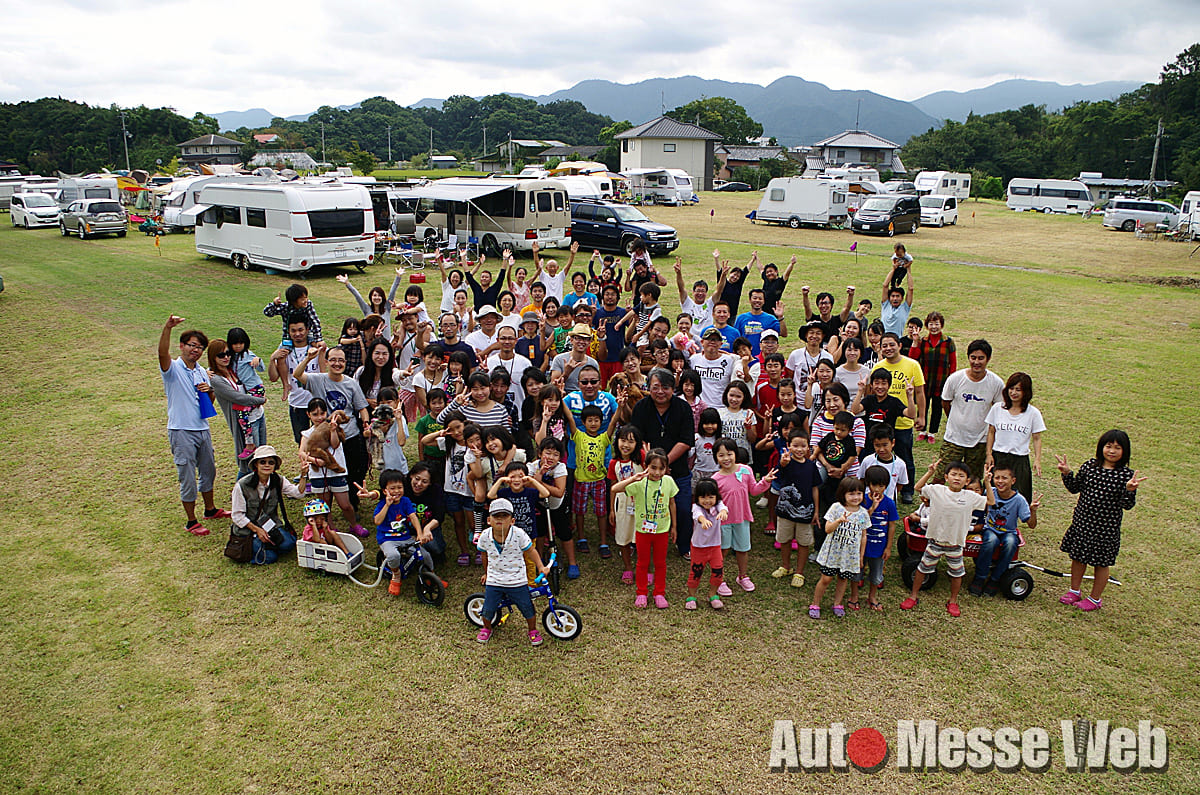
(137, 659)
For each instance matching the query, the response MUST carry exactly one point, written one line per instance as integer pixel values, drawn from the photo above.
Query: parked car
(610, 226)
(887, 214)
(88, 217)
(900, 186)
(1124, 214)
(938, 210)
(733, 187)
(33, 209)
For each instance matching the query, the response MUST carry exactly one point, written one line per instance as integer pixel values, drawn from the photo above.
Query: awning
(457, 193)
(175, 194)
(637, 172)
(192, 213)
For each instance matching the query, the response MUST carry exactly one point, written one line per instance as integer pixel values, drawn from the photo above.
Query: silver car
(88, 217)
(1125, 213)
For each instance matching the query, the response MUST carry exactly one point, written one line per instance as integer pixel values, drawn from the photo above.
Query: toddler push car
(1016, 584)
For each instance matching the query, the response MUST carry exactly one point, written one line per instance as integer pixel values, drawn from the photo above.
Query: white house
(210, 149)
(667, 143)
(855, 147)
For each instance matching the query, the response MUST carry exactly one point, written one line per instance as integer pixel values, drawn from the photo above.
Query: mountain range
(793, 110)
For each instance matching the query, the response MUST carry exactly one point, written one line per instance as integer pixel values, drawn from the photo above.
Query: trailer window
(256, 218)
(96, 193)
(1053, 193)
(1017, 190)
(505, 204)
(336, 223)
(229, 215)
(1073, 194)
(777, 194)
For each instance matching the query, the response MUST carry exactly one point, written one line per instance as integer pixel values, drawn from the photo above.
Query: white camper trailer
(287, 226)
(71, 189)
(1049, 195)
(1189, 215)
(182, 197)
(796, 201)
(586, 186)
(944, 183)
(661, 185)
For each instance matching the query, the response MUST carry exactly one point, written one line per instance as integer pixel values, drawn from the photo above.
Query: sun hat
(500, 506)
(265, 451)
(487, 309)
(580, 330)
(531, 317)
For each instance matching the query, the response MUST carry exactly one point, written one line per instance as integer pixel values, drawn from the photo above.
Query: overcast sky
(292, 57)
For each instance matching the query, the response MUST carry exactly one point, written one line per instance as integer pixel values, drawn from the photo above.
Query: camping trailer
(586, 186)
(1189, 215)
(944, 183)
(492, 211)
(796, 201)
(182, 197)
(72, 189)
(661, 185)
(1048, 195)
(286, 226)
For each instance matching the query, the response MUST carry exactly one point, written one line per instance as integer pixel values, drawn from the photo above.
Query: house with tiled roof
(732, 157)
(667, 143)
(855, 147)
(210, 150)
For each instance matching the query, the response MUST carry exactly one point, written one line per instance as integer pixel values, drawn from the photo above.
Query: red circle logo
(867, 750)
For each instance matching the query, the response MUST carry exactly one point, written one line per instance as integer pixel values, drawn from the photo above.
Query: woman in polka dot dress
(1107, 487)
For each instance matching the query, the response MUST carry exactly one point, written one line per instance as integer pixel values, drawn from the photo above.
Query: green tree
(364, 162)
(721, 115)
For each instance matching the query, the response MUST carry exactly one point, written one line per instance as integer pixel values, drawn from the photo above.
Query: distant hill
(253, 118)
(1010, 94)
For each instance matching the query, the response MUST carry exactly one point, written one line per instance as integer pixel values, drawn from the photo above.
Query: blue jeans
(265, 555)
(904, 449)
(683, 514)
(518, 594)
(258, 437)
(1006, 542)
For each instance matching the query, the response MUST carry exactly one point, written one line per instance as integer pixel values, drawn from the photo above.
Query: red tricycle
(1016, 584)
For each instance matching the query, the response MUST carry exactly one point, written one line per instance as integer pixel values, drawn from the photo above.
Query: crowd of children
(522, 423)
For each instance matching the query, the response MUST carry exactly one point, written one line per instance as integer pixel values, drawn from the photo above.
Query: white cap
(500, 506)
(487, 309)
(769, 333)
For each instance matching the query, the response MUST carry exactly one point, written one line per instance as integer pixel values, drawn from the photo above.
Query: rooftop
(666, 127)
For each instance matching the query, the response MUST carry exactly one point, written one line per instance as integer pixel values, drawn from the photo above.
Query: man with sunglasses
(187, 387)
(588, 394)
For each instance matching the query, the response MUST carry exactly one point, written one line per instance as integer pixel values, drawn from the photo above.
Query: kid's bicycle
(559, 620)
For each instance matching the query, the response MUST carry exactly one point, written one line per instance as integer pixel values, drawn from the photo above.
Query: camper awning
(172, 196)
(459, 193)
(191, 214)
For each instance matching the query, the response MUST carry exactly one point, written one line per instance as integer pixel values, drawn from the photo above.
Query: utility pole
(1154, 159)
(485, 140)
(389, 143)
(125, 139)
(510, 151)
(323, 159)
(431, 143)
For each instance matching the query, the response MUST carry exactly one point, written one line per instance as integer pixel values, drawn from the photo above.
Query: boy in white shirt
(505, 550)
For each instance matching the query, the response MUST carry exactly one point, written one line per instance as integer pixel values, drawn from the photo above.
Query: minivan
(887, 214)
(938, 210)
(1124, 214)
(33, 209)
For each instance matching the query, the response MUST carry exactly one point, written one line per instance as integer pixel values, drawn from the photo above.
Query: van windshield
(627, 213)
(878, 203)
(932, 201)
(336, 223)
(38, 200)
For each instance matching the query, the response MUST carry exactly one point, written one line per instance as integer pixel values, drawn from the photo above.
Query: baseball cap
(769, 333)
(712, 332)
(500, 506)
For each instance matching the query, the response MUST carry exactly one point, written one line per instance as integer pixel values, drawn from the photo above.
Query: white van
(183, 195)
(946, 183)
(491, 211)
(72, 189)
(661, 185)
(33, 209)
(1189, 214)
(1049, 195)
(287, 226)
(1124, 213)
(939, 210)
(796, 201)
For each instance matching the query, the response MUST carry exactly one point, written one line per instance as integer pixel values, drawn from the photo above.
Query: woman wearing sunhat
(258, 505)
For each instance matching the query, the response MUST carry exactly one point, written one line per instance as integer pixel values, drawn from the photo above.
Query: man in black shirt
(666, 422)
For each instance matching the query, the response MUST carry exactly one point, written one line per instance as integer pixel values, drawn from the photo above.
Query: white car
(1125, 213)
(939, 210)
(33, 209)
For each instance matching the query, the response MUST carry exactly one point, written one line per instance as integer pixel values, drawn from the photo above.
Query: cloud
(293, 57)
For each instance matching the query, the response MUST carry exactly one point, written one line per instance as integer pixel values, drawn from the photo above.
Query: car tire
(121, 233)
(82, 233)
(627, 243)
(1129, 225)
(955, 221)
(915, 225)
(62, 228)
(941, 222)
(794, 222)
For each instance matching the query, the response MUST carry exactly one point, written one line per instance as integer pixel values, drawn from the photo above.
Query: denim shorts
(874, 572)
(519, 594)
(458, 502)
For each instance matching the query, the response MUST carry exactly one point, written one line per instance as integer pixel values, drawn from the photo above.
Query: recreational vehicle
(180, 203)
(286, 226)
(661, 185)
(492, 211)
(944, 183)
(1189, 214)
(586, 186)
(1049, 195)
(73, 189)
(796, 201)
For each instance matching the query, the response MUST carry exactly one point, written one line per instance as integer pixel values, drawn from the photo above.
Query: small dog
(326, 437)
(633, 393)
(382, 417)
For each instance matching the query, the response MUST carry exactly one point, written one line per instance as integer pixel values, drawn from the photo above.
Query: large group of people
(574, 393)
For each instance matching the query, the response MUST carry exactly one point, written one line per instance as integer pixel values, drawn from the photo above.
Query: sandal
(875, 606)
(814, 611)
(605, 552)
(464, 559)
(627, 577)
(839, 611)
(852, 605)
(689, 603)
(716, 602)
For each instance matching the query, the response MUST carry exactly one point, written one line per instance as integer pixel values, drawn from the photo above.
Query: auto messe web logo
(1087, 746)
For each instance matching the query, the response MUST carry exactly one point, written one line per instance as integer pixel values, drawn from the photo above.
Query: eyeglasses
(192, 345)
(589, 382)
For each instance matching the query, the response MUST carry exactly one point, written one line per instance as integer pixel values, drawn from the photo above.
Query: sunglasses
(224, 355)
(589, 381)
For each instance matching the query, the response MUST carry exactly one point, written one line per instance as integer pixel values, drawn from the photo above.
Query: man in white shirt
(549, 274)
(716, 369)
(483, 338)
(967, 397)
(510, 361)
(294, 393)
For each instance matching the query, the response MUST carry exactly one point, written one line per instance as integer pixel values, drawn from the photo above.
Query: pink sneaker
(723, 590)
(247, 451)
(627, 578)
(716, 603)
(484, 635)
(778, 545)
(1088, 604)
(640, 601)
(661, 602)
(359, 531)
(1070, 598)
(747, 586)
(795, 546)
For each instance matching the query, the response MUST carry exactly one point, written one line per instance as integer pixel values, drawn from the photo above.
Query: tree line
(1115, 137)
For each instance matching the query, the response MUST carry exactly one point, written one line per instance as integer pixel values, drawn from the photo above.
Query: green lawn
(137, 659)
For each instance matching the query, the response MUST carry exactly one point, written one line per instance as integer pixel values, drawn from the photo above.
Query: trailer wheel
(1047, 210)
(1017, 584)
(431, 237)
(794, 222)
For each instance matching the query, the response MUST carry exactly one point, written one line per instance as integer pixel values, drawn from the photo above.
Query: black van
(887, 215)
